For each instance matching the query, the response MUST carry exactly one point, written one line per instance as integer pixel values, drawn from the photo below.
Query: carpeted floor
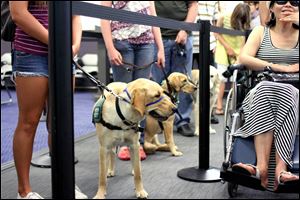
(83, 105)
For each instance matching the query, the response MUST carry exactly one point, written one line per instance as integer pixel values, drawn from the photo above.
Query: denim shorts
(26, 64)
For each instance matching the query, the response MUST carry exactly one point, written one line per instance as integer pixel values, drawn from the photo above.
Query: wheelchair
(237, 149)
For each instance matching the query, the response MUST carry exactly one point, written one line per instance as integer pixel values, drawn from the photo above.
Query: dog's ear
(176, 82)
(138, 100)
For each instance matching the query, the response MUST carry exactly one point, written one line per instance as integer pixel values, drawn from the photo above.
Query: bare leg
(220, 98)
(263, 144)
(31, 94)
(281, 166)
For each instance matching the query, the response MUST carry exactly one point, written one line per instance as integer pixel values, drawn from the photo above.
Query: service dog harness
(97, 113)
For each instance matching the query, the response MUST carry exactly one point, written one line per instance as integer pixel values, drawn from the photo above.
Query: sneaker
(142, 153)
(214, 119)
(30, 195)
(79, 194)
(186, 130)
(124, 153)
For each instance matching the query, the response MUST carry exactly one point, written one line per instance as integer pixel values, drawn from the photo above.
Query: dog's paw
(110, 173)
(177, 153)
(163, 147)
(196, 133)
(99, 196)
(100, 193)
(142, 194)
(212, 131)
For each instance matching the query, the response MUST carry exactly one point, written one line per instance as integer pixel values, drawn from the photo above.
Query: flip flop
(219, 111)
(280, 182)
(240, 168)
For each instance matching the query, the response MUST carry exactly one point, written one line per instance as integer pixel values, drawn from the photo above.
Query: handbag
(8, 27)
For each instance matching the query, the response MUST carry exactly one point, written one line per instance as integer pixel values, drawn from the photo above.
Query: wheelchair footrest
(241, 179)
(288, 188)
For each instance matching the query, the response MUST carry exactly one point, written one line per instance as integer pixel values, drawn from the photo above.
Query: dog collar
(155, 102)
(126, 91)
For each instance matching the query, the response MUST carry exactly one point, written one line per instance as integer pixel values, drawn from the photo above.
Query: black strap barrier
(61, 92)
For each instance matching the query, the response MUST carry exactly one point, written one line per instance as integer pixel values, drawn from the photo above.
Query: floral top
(134, 33)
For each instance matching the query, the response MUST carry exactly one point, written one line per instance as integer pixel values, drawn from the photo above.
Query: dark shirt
(176, 10)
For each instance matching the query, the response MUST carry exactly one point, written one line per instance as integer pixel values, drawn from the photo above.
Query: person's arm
(191, 17)
(264, 13)
(248, 54)
(76, 34)
(220, 38)
(158, 39)
(27, 22)
(114, 55)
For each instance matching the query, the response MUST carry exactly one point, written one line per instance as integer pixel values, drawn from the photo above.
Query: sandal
(219, 111)
(243, 169)
(293, 178)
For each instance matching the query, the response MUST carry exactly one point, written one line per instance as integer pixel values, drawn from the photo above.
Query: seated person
(272, 109)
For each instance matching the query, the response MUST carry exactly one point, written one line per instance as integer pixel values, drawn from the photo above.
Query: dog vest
(97, 117)
(97, 112)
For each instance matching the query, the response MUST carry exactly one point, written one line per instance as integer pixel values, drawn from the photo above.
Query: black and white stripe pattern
(269, 53)
(273, 106)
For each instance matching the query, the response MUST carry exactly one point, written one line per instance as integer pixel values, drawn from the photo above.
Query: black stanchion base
(44, 161)
(199, 175)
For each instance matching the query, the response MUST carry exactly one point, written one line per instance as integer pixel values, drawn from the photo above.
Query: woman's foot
(219, 111)
(285, 177)
(252, 170)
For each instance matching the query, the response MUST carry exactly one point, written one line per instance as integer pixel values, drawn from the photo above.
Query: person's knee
(28, 124)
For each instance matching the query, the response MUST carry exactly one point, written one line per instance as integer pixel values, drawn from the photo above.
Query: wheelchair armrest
(229, 72)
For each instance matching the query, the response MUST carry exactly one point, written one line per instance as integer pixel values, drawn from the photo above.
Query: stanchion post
(203, 173)
(204, 45)
(61, 99)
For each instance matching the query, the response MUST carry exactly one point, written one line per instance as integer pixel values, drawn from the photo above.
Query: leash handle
(135, 67)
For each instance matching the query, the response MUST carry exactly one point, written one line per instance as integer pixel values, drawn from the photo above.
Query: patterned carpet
(83, 104)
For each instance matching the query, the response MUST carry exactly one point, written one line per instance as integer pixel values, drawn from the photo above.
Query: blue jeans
(138, 54)
(177, 63)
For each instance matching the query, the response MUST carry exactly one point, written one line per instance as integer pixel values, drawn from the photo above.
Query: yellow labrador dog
(214, 90)
(117, 119)
(178, 83)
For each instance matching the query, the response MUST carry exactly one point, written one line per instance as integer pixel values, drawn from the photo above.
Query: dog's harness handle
(132, 125)
(100, 85)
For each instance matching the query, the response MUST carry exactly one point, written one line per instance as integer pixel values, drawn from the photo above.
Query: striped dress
(273, 106)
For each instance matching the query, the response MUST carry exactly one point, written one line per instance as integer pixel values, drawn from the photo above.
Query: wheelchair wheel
(227, 120)
(232, 189)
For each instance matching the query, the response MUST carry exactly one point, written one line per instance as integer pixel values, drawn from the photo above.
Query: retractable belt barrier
(103, 12)
(60, 17)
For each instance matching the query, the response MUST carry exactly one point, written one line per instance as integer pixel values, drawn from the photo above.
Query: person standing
(207, 10)
(254, 10)
(178, 46)
(30, 70)
(228, 46)
(131, 43)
